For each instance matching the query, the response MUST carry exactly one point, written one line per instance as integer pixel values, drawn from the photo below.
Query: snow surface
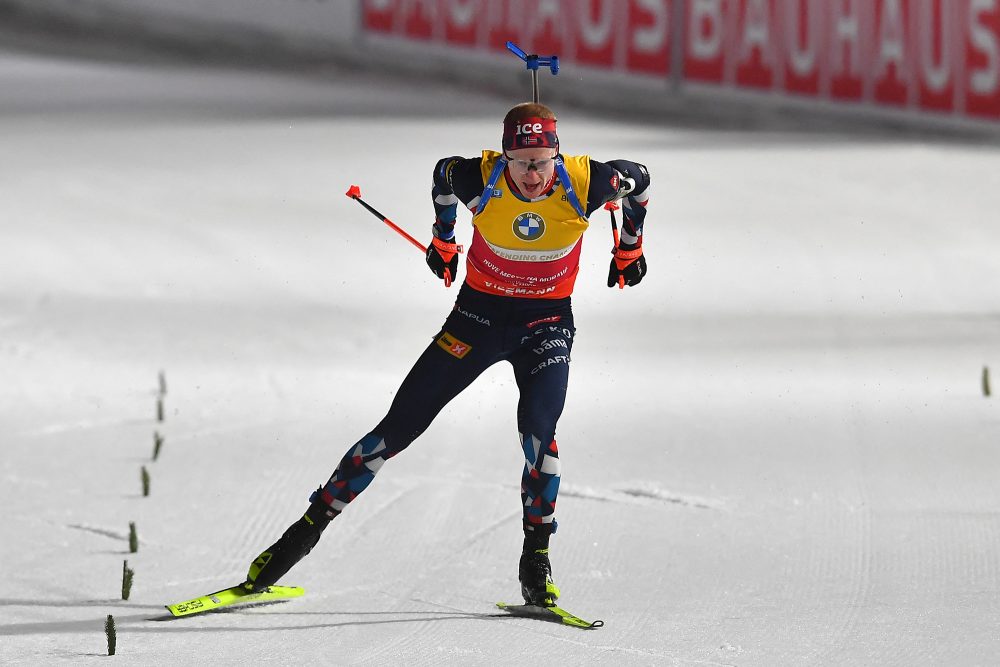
(776, 450)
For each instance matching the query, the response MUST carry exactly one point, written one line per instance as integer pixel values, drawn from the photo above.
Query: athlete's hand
(443, 255)
(628, 263)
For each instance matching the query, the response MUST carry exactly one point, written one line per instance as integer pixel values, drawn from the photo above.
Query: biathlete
(530, 207)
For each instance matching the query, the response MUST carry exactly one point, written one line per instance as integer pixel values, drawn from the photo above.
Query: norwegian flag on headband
(530, 133)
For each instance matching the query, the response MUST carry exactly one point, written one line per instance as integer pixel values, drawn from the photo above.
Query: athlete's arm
(456, 179)
(621, 180)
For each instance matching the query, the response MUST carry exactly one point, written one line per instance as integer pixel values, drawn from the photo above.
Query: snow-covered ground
(776, 450)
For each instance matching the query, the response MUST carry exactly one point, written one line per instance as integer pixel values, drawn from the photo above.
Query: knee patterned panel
(539, 483)
(355, 472)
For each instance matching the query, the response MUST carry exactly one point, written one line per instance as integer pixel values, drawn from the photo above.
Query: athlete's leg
(444, 370)
(542, 373)
(447, 366)
(541, 370)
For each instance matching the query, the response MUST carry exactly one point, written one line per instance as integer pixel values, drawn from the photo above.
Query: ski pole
(354, 192)
(612, 207)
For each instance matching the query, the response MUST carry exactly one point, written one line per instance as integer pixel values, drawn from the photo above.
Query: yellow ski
(231, 596)
(552, 614)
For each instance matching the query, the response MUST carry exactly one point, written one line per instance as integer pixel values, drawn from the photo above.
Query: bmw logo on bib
(529, 226)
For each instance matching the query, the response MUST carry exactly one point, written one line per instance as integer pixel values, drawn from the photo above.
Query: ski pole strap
(625, 257)
(491, 184)
(570, 192)
(446, 249)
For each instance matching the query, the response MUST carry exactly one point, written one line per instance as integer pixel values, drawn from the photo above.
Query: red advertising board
(461, 21)
(623, 35)
(938, 56)
(892, 64)
(647, 28)
(936, 44)
(596, 34)
(981, 58)
(848, 48)
(757, 57)
(705, 37)
(378, 15)
(802, 45)
(941, 56)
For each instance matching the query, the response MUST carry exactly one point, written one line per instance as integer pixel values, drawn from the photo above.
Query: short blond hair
(527, 110)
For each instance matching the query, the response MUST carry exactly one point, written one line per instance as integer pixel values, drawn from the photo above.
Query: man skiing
(530, 207)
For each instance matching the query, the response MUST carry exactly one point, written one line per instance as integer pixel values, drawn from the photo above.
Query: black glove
(628, 263)
(443, 255)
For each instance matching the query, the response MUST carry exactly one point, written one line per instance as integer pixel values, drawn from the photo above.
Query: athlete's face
(531, 169)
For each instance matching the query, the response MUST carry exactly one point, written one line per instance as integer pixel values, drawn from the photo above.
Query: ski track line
(540, 628)
(378, 511)
(441, 556)
(276, 389)
(849, 568)
(957, 553)
(420, 635)
(487, 614)
(222, 430)
(354, 527)
(86, 626)
(352, 531)
(443, 562)
(261, 531)
(163, 624)
(277, 487)
(425, 633)
(643, 494)
(258, 534)
(806, 579)
(853, 567)
(638, 495)
(82, 425)
(490, 528)
(861, 592)
(256, 530)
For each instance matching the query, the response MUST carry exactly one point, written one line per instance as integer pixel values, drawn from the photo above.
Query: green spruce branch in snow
(157, 444)
(109, 630)
(127, 576)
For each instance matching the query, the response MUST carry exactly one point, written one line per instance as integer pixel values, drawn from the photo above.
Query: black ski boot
(535, 572)
(294, 545)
